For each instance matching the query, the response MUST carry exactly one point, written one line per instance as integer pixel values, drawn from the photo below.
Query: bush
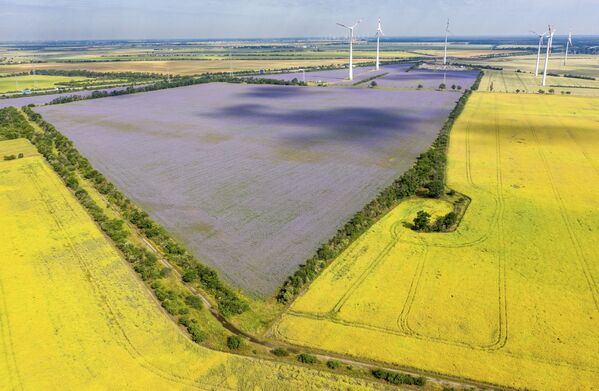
(280, 352)
(234, 342)
(420, 86)
(333, 364)
(442, 86)
(193, 301)
(9, 157)
(307, 358)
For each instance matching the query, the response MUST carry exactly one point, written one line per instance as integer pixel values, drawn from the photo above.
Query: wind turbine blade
(357, 23)
(342, 25)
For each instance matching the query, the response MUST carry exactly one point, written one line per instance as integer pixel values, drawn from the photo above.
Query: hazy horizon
(42, 20)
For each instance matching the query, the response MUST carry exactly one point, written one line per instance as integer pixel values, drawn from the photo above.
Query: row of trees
(179, 81)
(427, 174)
(68, 162)
(59, 153)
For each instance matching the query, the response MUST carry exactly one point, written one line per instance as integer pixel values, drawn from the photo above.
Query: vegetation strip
(67, 161)
(428, 172)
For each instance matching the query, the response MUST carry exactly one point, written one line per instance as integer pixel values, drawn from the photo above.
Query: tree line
(61, 154)
(427, 174)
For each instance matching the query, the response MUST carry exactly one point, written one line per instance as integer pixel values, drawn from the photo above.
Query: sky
(25, 20)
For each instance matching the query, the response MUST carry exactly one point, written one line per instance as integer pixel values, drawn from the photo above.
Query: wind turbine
(351, 47)
(379, 34)
(541, 37)
(446, 36)
(550, 33)
(568, 44)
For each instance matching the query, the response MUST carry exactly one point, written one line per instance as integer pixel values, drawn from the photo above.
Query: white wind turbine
(379, 34)
(550, 33)
(446, 36)
(541, 37)
(351, 47)
(568, 44)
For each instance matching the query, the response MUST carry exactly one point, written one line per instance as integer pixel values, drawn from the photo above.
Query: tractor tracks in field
(563, 211)
(98, 288)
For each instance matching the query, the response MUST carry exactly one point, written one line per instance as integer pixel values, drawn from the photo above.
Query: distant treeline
(61, 154)
(174, 83)
(428, 173)
(130, 76)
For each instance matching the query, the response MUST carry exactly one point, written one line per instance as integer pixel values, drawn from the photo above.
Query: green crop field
(73, 314)
(510, 297)
(578, 64)
(36, 82)
(510, 81)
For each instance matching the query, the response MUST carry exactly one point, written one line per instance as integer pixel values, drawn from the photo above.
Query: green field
(36, 82)
(510, 81)
(585, 65)
(510, 297)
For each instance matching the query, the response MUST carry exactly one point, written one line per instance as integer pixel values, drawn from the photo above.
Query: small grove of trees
(422, 222)
(428, 172)
(397, 378)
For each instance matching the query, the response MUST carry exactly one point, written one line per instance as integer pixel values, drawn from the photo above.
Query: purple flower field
(337, 76)
(396, 77)
(43, 99)
(253, 178)
(429, 79)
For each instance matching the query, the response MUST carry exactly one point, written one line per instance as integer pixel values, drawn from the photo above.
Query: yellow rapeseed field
(511, 297)
(73, 315)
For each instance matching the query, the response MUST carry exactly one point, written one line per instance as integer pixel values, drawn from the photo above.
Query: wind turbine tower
(541, 37)
(446, 36)
(568, 44)
(551, 33)
(351, 47)
(379, 34)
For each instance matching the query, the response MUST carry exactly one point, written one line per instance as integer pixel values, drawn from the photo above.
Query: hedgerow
(427, 173)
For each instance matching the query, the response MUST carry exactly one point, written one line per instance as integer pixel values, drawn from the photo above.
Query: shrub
(280, 352)
(442, 86)
(307, 358)
(333, 364)
(193, 301)
(21, 156)
(396, 378)
(420, 86)
(234, 342)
